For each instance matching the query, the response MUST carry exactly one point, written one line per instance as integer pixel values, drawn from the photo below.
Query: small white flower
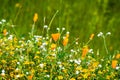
(0, 22)
(10, 37)
(117, 68)
(18, 63)
(68, 32)
(108, 33)
(99, 65)
(63, 28)
(3, 20)
(17, 69)
(91, 51)
(76, 43)
(77, 72)
(17, 76)
(41, 65)
(60, 66)
(100, 34)
(58, 29)
(3, 71)
(71, 60)
(77, 61)
(47, 75)
(45, 26)
(58, 62)
(70, 56)
(72, 50)
(27, 73)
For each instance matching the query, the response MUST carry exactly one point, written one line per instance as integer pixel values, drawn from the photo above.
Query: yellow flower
(53, 46)
(55, 36)
(35, 18)
(108, 77)
(114, 63)
(85, 51)
(79, 68)
(60, 77)
(72, 79)
(95, 64)
(3, 61)
(91, 36)
(118, 56)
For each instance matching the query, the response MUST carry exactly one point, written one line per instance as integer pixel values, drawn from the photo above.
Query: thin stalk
(32, 31)
(51, 21)
(105, 45)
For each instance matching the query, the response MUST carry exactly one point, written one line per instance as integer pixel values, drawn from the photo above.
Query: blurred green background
(80, 17)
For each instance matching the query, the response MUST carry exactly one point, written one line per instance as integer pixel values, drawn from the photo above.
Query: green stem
(32, 31)
(51, 21)
(105, 45)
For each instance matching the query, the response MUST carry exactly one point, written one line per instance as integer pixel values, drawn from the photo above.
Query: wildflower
(84, 51)
(63, 29)
(3, 20)
(72, 79)
(108, 33)
(58, 29)
(47, 75)
(65, 41)
(45, 26)
(30, 77)
(90, 51)
(114, 63)
(5, 32)
(35, 18)
(100, 34)
(0, 22)
(117, 68)
(60, 77)
(41, 65)
(79, 68)
(77, 61)
(55, 36)
(118, 56)
(91, 36)
(77, 72)
(53, 46)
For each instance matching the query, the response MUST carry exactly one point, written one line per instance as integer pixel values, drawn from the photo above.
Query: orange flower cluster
(35, 18)
(85, 51)
(55, 36)
(65, 41)
(114, 63)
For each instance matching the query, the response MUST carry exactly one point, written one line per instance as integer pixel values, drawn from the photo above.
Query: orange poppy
(65, 41)
(55, 36)
(35, 18)
(85, 51)
(5, 32)
(114, 63)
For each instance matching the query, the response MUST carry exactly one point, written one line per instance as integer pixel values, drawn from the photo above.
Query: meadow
(59, 40)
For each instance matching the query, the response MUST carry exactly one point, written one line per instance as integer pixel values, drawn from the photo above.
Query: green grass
(80, 17)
